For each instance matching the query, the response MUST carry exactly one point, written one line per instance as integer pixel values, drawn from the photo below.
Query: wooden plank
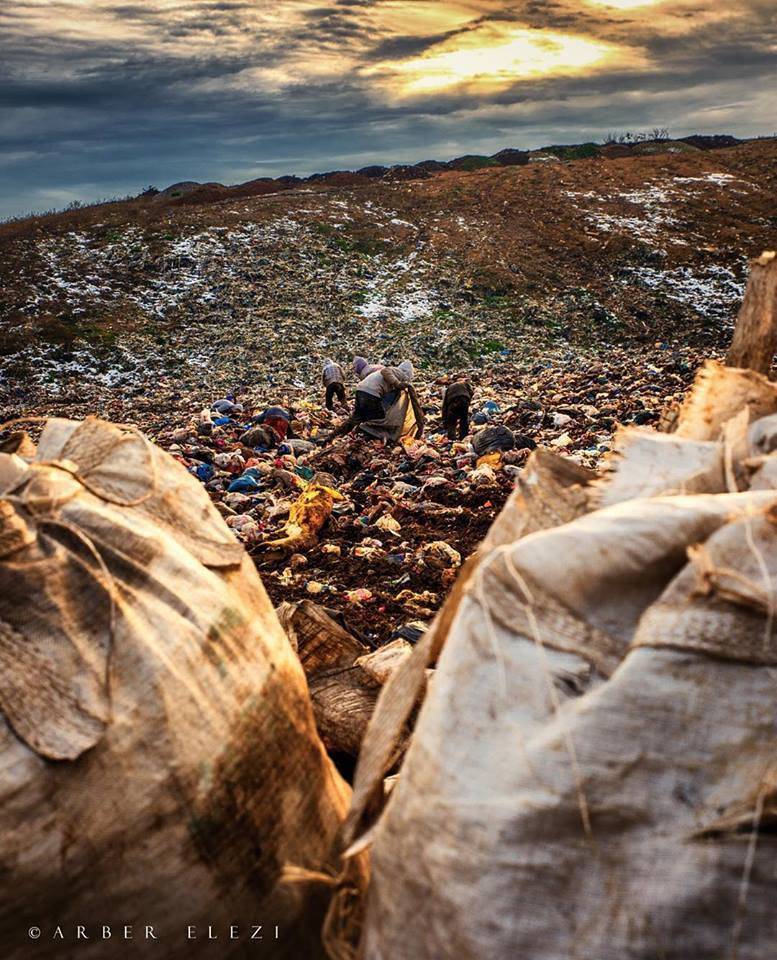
(755, 337)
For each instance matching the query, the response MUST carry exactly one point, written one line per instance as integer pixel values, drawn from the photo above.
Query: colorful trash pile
(379, 531)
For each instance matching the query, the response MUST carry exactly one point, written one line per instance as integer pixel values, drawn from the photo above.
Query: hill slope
(463, 269)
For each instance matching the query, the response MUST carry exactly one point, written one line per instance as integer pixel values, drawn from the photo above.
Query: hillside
(575, 295)
(461, 269)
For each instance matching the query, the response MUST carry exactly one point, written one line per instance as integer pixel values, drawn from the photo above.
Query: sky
(100, 98)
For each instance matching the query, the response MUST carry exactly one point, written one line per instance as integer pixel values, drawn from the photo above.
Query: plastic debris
(405, 495)
(360, 595)
(306, 517)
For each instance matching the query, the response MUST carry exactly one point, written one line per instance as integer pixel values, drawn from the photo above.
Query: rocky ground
(575, 295)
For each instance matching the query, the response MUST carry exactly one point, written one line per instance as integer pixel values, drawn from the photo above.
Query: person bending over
(374, 393)
(278, 418)
(455, 409)
(334, 383)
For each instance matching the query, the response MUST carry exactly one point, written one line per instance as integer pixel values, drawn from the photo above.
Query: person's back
(332, 373)
(374, 384)
(396, 378)
(384, 380)
(379, 390)
(334, 383)
(278, 418)
(455, 409)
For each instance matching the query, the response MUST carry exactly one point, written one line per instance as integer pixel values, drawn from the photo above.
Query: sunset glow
(102, 98)
(625, 4)
(494, 62)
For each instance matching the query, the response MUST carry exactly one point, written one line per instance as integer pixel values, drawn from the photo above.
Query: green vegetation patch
(65, 330)
(579, 151)
(474, 162)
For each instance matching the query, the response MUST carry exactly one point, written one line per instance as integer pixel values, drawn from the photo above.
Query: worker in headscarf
(455, 409)
(334, 383)
(379, 386)
(362, 367)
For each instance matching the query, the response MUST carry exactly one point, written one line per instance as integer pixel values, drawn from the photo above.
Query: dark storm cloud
(126, 85)
(226, 90)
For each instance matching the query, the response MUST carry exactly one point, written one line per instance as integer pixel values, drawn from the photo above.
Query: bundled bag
(493, 440)
(403, 419)
(593, 773)
(160, 763)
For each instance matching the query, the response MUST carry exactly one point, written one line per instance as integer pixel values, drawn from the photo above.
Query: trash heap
(586, 729)
(592, 773)
(379, 528)
(391, 533)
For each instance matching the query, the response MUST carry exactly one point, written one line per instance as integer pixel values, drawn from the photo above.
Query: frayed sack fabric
(593, 774)
(159, 763)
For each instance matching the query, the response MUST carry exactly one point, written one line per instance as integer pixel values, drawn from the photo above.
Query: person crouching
(375, 394)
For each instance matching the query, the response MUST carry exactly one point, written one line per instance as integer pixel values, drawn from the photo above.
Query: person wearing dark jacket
(334, 382)
(278, 418)
(455, 409)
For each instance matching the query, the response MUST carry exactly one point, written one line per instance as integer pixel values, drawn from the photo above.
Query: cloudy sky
(100, 98)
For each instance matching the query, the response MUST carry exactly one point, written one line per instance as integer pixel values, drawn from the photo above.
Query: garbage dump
(593, 770)
(160, 762)
(349, 521)
(369, 557)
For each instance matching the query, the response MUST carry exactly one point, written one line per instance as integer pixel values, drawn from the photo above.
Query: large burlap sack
(159, 763)
(550, 491)
(593, 773)
(404, 418)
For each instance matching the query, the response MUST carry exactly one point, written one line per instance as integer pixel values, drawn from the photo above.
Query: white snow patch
(397, 293)
(713, 291)
(656, 201)
(54, 368)
(94, 273)
(719, 179)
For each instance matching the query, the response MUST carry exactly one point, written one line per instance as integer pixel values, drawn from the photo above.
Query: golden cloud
(497, 55)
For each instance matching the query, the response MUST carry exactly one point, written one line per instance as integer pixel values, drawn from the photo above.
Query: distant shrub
(639, 136)
(75, 206)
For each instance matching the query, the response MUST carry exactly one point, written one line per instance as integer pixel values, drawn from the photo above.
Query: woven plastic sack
(593, 773)
(159, 763)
